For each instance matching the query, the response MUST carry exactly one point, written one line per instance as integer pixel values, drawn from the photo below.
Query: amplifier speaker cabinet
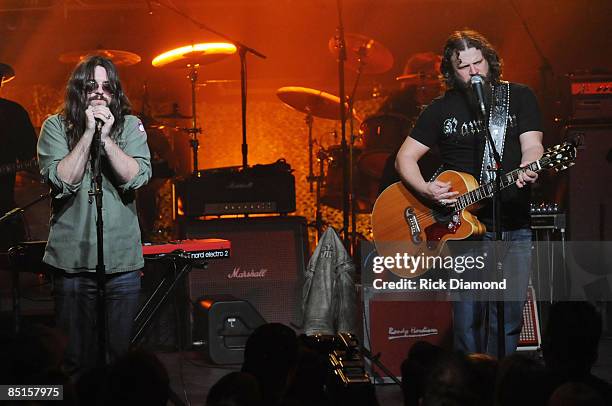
(589, 200)
(393, 323)
(266, 266)
(590, 182)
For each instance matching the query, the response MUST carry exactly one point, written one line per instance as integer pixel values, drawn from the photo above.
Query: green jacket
(72, 242)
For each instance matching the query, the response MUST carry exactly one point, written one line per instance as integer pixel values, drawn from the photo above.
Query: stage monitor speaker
(393, 323)
(266, 266)
(222, 324)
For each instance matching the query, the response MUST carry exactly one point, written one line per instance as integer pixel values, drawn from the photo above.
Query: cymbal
(364, 52)
(420, 78)
(175, 114)
(194, 55)
(119, 58)
(6, 73)
(311, 101)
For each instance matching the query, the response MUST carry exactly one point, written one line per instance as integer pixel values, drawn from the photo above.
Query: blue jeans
(475, 322)
(75, 309)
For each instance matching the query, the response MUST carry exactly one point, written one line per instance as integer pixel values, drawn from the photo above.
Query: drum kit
(379, 135)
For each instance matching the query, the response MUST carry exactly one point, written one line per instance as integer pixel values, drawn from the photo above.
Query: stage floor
(192, 376)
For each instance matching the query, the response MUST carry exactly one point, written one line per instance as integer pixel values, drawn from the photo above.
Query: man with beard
(94, 94)
(452, 124)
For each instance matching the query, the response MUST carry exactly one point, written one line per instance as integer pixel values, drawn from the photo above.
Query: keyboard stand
(161, 293)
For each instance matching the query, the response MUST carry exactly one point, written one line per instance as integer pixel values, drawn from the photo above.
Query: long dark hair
(460, 41)
(75, 100)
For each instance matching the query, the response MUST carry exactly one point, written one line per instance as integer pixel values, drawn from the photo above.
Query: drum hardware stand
(194, 130)
(242, 51)
(351, 180)
(311, 178)
(341, 46)
(322, 155)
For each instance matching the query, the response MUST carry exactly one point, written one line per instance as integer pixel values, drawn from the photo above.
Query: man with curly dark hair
(94, 93)
(452, 123)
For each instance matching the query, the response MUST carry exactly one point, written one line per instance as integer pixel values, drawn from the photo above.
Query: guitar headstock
(559, 157)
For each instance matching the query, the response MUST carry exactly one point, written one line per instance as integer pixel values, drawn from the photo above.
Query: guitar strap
(498, 123)
(437, 173)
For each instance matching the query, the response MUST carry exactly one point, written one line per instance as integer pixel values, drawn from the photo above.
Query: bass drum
(383, 135)
(365, 188)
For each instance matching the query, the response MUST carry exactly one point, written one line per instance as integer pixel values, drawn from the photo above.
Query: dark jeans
(475, 322)
(75, 309)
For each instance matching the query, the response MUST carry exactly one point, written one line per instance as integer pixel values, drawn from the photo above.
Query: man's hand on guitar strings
(526, 176)
(441, 193)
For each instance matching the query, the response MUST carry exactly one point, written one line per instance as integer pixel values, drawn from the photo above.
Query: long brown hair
(460, 41)
(75, 99)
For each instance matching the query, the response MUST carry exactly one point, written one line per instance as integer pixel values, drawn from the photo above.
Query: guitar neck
(488, 189)
(14, 167)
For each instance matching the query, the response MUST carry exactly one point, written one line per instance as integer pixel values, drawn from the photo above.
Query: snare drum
(382, 136)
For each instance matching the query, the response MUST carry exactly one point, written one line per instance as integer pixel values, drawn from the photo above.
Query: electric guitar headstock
(558, 157)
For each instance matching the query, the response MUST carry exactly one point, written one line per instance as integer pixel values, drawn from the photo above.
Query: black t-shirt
(451, 124)
(18, 140)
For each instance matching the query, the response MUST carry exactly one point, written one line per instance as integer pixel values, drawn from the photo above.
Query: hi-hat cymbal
(119, 58)
(365, 53)
(194, 55)
(175, 115)
(311, 101)
(6, 73)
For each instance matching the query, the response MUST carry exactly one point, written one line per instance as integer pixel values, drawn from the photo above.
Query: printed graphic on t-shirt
(451, 128)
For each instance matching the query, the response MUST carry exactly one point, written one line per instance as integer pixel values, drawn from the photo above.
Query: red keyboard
(210, 248)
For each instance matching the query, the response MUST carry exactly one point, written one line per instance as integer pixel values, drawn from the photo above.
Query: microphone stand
(341, 45)
(497, 206)
(242, 51)
(96, 192)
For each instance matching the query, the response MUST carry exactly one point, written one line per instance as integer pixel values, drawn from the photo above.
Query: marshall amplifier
(266, 266)
(258, 189)
(591, 97)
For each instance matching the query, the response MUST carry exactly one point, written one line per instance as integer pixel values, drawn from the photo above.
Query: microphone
(477, 84)
(99, 124)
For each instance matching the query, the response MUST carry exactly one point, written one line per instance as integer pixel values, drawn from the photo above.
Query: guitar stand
(161, 293)
(375, 359)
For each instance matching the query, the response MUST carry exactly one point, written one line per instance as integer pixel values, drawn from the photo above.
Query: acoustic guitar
(405, 223)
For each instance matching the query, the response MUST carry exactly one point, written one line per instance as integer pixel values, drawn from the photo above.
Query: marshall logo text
(252, 274)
